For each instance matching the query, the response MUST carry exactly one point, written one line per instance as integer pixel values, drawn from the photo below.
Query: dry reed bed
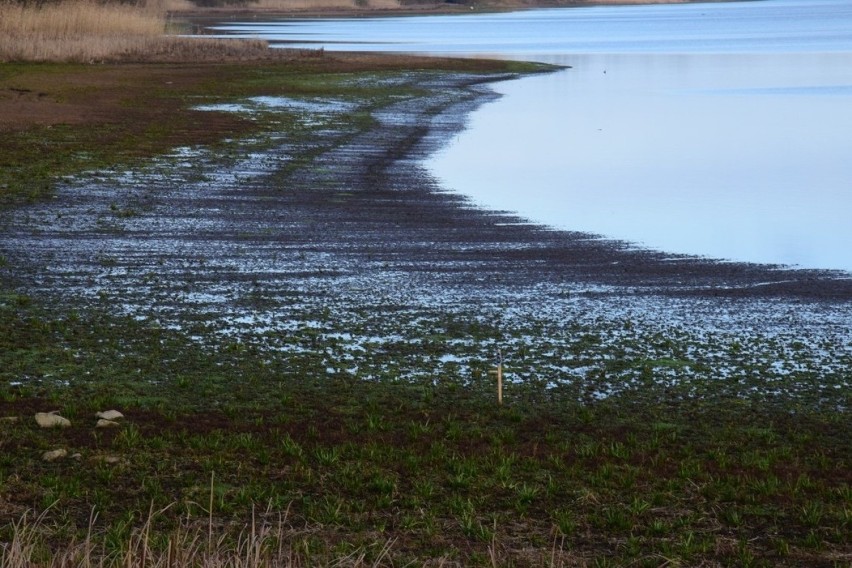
(87, 31)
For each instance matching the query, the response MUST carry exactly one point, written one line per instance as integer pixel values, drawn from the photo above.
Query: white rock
(54, 455)
(9, 419)
(109, 415)
(51, 420)
(104, 423)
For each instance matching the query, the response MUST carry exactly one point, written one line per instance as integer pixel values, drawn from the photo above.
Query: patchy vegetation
(58, 120)
(331, 403)
(396, 471)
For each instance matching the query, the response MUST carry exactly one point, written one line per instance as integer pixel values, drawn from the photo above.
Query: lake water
(722, 130)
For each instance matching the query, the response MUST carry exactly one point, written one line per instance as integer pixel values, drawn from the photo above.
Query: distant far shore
(371, 8)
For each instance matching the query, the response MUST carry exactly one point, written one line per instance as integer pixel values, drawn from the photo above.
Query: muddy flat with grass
(300, 326)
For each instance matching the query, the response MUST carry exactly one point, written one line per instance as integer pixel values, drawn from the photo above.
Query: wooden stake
(499, 373)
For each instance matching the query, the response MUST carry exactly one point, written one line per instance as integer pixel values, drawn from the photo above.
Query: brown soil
(82, 94)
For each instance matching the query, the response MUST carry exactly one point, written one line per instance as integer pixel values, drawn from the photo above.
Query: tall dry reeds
(88, 31)
(76, 30)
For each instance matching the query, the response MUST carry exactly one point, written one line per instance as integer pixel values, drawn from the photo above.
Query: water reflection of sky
(713, 129)
(768, 26)
(714, 158)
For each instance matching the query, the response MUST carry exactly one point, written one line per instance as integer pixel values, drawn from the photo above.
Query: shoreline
(358, 200)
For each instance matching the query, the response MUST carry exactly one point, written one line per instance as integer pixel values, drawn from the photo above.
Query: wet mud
(344, 230)
(364, 204)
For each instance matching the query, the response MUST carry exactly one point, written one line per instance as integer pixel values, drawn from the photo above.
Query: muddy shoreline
(306, 321)
(338, 248)
(365, 205)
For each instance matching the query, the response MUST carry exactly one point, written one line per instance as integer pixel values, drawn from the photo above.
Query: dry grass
(268, 541)
(88, 31)
(75, 30)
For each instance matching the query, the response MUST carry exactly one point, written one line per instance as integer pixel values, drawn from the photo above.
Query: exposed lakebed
(338, 244)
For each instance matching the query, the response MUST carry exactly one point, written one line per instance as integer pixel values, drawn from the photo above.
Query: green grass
(439, 469)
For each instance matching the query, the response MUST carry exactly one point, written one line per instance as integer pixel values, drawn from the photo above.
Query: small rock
(54, 455)
(104, 423)
(112, 460)
(9, 419)
(51, 420)
(78, 456)
(109, 415)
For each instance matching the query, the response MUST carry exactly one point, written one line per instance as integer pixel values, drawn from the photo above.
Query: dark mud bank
(344, 201)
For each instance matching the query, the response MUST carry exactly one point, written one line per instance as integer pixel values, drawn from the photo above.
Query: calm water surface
(723, 130)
